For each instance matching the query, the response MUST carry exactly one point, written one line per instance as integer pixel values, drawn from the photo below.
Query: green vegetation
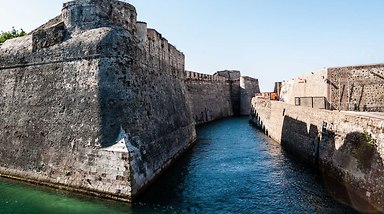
(365, 150)
(11, 34)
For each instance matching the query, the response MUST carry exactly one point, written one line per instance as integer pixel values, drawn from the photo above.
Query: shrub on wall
(4, 36)
(364, 151)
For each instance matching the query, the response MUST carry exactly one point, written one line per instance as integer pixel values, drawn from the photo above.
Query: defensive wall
(223, 94)
(248, 88)
(209, 95)
(94, 101)
(348, 148)
(340, 87)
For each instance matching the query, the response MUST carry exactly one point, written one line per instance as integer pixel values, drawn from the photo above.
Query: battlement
(229, 74)
(191, 75)
(157, 46)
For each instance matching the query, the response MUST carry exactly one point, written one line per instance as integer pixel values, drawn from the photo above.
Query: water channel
(233, 168)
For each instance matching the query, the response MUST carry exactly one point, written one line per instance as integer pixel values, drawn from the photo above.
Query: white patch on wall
(121, 144)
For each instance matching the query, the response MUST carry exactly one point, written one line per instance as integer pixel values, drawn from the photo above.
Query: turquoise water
(232, 169)
(16, 197)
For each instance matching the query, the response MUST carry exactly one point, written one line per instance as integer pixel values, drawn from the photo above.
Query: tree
(11, 34)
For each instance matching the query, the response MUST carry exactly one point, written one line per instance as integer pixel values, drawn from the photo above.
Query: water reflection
(235, 169)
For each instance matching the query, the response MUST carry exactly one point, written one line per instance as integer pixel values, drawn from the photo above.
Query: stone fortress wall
(345, 147)
(91, 102)
(341, 87)
(209, 95)
(223, 94)
(248, 88)
(94, 101)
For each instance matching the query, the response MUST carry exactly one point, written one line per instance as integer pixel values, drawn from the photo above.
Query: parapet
(89, 14)
(250, 79)
(158, 47)
(229, 74)
(191, 75)
(142, 29)
(362, 66)
(249, 82)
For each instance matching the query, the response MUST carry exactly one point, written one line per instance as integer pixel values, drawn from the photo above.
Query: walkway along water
(233, 168)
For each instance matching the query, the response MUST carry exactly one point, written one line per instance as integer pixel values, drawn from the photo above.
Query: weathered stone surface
(88, 104)
(362, 83)
(233, 77)
(95, 102)
(248, 88)
(220, 95)
(210, 96)
(347, 147)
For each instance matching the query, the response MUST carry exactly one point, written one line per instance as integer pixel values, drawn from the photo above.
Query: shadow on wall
(256, 121)
(304, 141)
(350, 172)
(176, 174)
(357, 171)
(149, 102)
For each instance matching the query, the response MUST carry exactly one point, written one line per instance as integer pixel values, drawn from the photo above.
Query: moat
(233, 168)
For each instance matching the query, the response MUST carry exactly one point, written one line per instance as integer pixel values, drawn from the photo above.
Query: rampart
(209, 95)
(248, 89)
(346, 147)
(92, 101)
(223, 94)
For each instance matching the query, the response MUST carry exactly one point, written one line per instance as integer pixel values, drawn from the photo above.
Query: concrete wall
(92, 104)
(362, 83)
(248, 88)
(345, 147)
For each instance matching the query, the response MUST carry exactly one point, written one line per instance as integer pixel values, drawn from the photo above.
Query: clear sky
(272, 40)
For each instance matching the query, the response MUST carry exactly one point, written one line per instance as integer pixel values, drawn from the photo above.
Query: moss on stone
(364, 151)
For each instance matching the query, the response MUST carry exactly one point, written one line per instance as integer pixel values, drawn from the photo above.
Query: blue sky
(272, 40)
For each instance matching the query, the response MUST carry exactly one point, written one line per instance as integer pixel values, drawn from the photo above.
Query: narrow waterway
(233, 168)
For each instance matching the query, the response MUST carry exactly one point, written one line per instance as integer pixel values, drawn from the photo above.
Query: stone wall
(345, 147)
(209, 95)
(223, 94)
(92, 102)
(248, 89)
(348, 88)
(363, 85)
(233, 77)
